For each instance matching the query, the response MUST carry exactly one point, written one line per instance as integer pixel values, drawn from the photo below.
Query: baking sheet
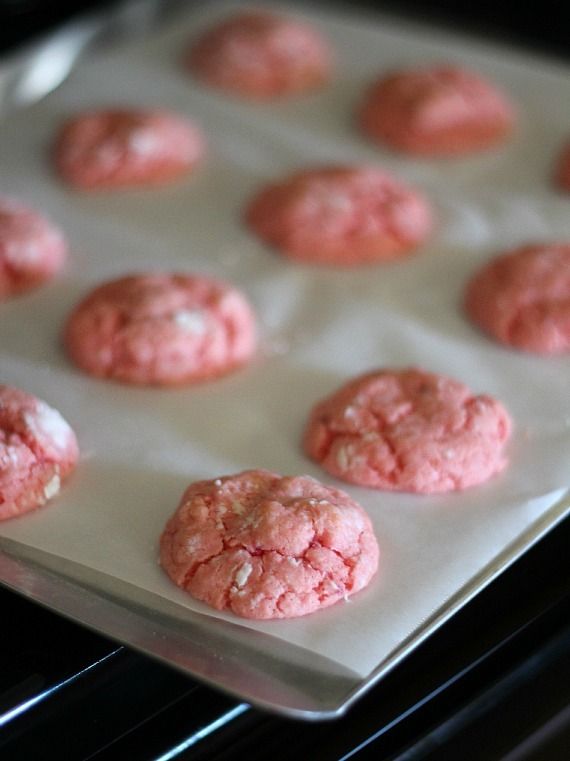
(141, 447)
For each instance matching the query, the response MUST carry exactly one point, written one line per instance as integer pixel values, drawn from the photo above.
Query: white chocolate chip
(243, 574)
(142, 142)
(252, 521)
(52, 487)
(192, 321)
(23, 253)
(238, 508)
(192, 544)
(342, 458)
(49, 423)
(336, 202)
(13, 455)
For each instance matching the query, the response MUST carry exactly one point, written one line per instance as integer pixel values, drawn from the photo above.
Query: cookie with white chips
(38, 451)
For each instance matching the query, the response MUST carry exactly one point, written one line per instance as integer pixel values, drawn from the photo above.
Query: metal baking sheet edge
(245, 664)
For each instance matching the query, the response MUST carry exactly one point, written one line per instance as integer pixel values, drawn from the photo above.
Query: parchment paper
(319, 326)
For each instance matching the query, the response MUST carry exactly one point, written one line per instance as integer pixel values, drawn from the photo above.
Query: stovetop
(494, 683)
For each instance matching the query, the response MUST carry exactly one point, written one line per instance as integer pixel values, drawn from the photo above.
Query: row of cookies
(265, 546)
(256, 544)
(437, 110)
(521, 297)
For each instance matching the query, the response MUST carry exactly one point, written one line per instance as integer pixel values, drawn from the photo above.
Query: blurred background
(543, 24)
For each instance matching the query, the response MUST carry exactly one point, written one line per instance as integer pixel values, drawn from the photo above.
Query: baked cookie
(161, 329)
(120, 148)
(261, 56)
(562, 176)
(32, 249)
(408, 430)
(264, 546)
(341, 216)
(522, 298)
(436, 111)
(38, 450)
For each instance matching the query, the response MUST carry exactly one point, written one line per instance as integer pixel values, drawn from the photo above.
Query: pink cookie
(160, 329)
(522, 298)
(38, 450)
(341, 216)
(436, 111)
(408, 430)
(264, 546)
(122, 149)
(562, 176)
(32, 249)
(261, 56)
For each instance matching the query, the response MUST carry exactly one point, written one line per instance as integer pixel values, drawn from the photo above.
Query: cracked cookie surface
(38, 450)
(123, 148)
(522, 298)
(32, 249)
(408, 430)
(161, 329)
(260, 55)
(265, 546)
(341, 216)
(436, 111)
